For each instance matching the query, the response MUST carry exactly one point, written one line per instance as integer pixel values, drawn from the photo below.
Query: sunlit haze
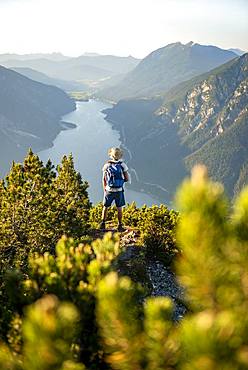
(119, 27)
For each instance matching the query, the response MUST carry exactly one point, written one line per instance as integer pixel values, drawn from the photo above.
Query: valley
(168, 119)
(123, 185)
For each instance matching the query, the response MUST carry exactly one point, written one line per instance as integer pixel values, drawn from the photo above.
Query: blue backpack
(114, 175)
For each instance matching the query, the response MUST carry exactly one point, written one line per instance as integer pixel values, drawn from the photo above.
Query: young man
(114, 176)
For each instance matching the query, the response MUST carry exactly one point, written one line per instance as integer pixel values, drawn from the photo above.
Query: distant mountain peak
(166, 67)
(191, 43)
(237, 51)
(87, 54)
(179, 43)
(173, 44)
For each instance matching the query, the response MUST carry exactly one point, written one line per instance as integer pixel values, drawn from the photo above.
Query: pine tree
(117, 329)
(72, 199)
(48, 332)
(37, 207)
(213, 269)
(135, 336)
(33, 205)
(25, 199)
(121, 328)
(72, 274)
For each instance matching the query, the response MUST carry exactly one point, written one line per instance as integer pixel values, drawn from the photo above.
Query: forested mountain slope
(30, 115)
(213, 121)
(166, 67)
(201, 120)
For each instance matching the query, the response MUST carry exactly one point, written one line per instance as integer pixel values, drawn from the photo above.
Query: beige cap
(115, 153)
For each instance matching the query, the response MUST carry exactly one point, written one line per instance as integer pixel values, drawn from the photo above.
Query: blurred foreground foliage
(69, 310)
(213, 269)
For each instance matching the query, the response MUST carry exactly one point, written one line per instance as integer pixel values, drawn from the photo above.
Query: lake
(89, 143)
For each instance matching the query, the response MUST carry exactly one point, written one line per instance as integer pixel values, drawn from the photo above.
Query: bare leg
(119, 211)
(104, 213)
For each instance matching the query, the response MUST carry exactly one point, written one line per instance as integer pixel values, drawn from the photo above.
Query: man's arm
(104, 182)
(126, 176)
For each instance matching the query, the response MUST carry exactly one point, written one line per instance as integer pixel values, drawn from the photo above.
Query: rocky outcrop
(201, 120)
(212, 105)
(155, 276)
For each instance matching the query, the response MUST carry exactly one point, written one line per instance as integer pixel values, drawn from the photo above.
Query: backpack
(114, 175)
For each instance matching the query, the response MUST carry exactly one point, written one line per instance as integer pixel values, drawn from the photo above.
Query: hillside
(201, 120)
(30, 115)
(167, 67)
(43, 78)
(57, 57)
(212, 117)
(82, 68)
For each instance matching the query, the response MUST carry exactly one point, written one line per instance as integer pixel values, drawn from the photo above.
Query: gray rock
(164, 283)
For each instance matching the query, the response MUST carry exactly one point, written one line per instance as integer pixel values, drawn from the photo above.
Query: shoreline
(64, 127)
(67, 125)
(138, 185)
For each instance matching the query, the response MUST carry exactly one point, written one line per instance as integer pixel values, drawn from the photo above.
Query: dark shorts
(117, 196)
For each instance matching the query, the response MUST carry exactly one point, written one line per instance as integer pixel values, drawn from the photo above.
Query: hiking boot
(120, 228)
(102, 225)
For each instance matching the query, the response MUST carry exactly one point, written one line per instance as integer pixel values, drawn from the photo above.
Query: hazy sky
(119, 27)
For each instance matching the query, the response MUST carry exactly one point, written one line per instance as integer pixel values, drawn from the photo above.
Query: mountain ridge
(43, 78)
(194, 122)
(80, 68)
(166, 67)
(30, 114)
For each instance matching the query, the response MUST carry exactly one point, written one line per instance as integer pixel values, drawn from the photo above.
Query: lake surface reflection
(89, 144)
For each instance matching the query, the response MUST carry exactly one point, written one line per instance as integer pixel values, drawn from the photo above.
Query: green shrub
(132, 215)
(118, 316)
(96, 215)
(112, 327)
(135, 337)
(157, 226)
(48, 333)
(72, 274)
(213, 270)
(37, 207)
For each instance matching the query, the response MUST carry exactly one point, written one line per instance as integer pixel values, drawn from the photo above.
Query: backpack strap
(119, 162)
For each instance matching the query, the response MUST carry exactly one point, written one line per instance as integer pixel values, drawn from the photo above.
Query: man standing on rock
(114, 176)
